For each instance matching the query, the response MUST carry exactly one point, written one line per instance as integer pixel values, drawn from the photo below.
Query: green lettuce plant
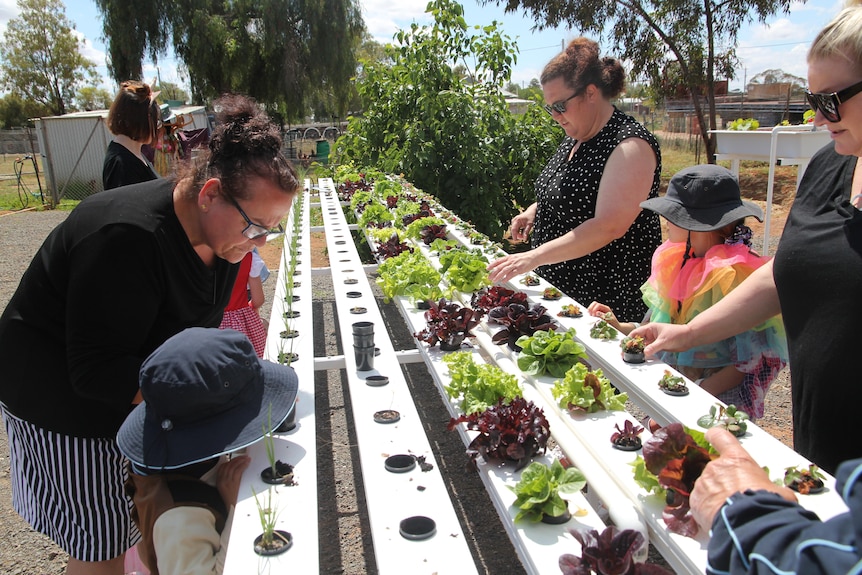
(587, 391)
(549, 352)
(538, 491)
(479, 385)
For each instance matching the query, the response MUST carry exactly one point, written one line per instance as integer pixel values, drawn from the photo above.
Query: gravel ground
(344, 530)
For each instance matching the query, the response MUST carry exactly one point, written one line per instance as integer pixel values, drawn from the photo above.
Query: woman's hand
(507, 267)
(522, 225)
(735, 470)
(229, 477)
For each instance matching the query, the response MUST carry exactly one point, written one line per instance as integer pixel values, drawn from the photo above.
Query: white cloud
(384, 17)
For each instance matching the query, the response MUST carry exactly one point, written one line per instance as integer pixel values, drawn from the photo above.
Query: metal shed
(73, 147)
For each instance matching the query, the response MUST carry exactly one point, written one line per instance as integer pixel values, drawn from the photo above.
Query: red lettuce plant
(347, 188)
(391, 202)
(488, 298)
(677, 460)
(391, 248)
(433, 232)
(610, 552)
(448, 323)
(518, 320)
(513, 430)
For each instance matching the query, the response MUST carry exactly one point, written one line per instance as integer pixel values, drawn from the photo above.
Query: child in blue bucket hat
(206, 394)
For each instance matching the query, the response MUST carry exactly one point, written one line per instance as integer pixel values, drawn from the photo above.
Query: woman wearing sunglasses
(589, 236)
(815, 279)
(128, 269)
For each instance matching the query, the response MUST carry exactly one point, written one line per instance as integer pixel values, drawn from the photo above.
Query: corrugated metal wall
(73, 149)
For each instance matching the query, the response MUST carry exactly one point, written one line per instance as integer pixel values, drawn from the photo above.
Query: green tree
(171, 91)
(450, 137)
(16, 112)
(92, 98)
(699, 36)
(281, 52)
(41, 58)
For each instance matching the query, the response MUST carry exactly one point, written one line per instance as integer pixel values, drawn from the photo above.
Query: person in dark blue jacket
(759, 528)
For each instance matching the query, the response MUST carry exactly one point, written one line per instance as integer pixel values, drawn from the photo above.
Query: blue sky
(781, 43)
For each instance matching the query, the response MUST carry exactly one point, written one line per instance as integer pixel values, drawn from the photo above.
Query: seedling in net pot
(728, 417)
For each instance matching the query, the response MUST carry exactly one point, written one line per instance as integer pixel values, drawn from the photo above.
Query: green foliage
(464, 271)
(680, 45)
(92, 98)
(41, 58)
(730, 418)
(452, 135)
(587, 391)
(15, 112)
(288, 55)
(743, 124)
(549, 352)
(413, 230)
(479, 385)
(374, 214)
(539, 490)
(398, 273)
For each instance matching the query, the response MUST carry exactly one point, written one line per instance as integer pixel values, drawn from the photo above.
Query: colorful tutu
(677, 296)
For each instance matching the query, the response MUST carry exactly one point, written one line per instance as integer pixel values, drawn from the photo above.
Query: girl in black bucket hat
(707, 254)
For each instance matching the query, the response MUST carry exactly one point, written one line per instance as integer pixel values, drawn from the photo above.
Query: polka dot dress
(566, 194)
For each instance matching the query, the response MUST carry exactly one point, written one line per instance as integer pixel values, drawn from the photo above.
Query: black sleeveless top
(566, 194)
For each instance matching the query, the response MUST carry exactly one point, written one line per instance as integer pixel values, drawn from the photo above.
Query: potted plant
(448, 323)
(488, 298)
(549, 352)
(479, 385)
(570, 310)
(628, 438)
(510, 430)
(519, 320)
(673, 459)
(538, 492)
(584, 391)
(530, 280)
(602, 329)
(433, 232)
(611, 552)
(672, 384)
(551, 293)
(391, 248)
(271, 541)
(806, 481)
(464, 271)
(728, 417)
(633, 349)
(277, 472)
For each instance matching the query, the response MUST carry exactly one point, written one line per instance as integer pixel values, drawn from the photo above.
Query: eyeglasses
(252, 230)
(559, 106)
(828, 103)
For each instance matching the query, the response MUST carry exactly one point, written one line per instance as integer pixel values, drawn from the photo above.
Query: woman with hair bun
(134, 119)
(73, 337)
(589, 236)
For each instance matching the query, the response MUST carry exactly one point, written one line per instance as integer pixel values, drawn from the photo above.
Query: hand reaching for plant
(229, 477)
(735, 470)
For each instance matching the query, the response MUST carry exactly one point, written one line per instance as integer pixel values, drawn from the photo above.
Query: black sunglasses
(559, 106)
(828, 103)
(252, 230)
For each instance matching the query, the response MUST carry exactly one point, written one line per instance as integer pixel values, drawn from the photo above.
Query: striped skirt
(71, 489)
